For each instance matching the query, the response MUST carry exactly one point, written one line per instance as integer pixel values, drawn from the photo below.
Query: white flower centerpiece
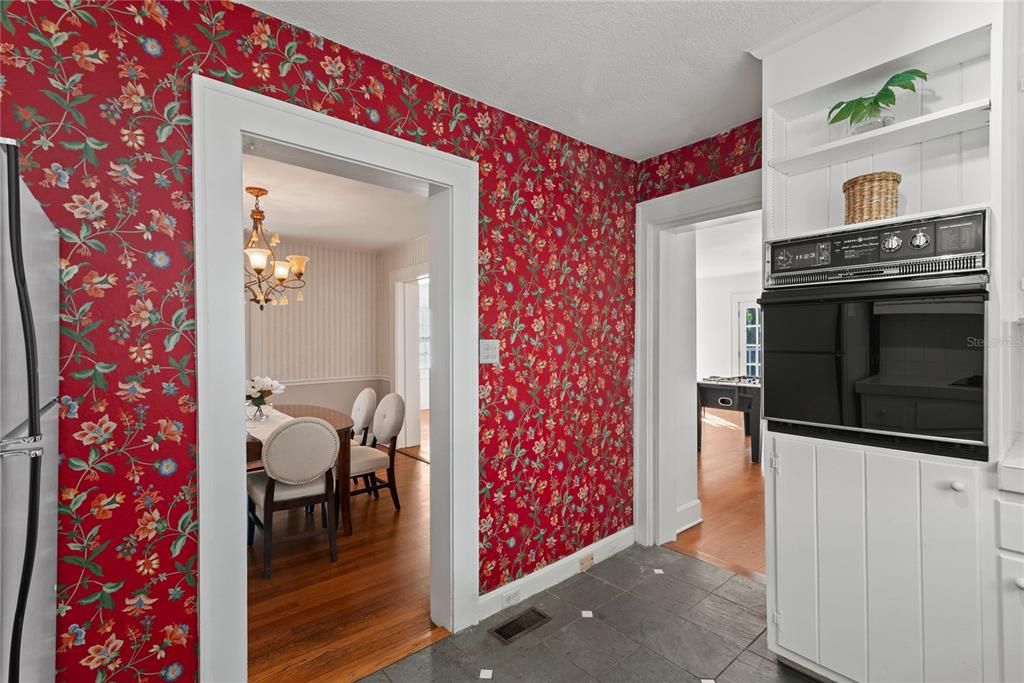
(257, 393)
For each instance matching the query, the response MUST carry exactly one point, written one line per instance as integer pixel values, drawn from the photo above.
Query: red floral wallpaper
(720, 156)
(97, 91)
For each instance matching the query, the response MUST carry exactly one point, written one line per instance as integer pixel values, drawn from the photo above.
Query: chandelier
(268, 280)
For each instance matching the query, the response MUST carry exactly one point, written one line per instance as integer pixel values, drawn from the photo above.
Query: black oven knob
(892, 243)
(920, 240)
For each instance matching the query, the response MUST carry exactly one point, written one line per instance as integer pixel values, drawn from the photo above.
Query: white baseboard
(555, 573)
(688, 515)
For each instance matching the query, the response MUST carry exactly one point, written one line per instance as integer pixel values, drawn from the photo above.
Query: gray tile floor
(657, 616)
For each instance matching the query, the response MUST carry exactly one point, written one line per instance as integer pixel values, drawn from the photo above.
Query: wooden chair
(298, 471)
(368, 460)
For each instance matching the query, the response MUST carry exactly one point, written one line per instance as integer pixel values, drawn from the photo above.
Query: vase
(886, 117)
(258, 412)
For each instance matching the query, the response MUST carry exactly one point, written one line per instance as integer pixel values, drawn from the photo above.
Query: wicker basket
(871, 197)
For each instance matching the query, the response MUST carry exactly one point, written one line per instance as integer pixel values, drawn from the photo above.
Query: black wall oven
(865, 347)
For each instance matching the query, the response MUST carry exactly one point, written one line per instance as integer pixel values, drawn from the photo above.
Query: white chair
(298, 470)
(368, 460)
(362, 413)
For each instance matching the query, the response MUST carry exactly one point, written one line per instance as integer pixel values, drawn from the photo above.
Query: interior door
(407, 373)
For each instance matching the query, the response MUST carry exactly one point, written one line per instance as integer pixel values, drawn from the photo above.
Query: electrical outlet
(586, 562)
(510, 598)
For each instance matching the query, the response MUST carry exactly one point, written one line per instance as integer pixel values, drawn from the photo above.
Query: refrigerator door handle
(28, 327)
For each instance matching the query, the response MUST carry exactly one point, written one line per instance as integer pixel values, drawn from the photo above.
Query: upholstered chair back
(362, 410)
(301, 450)
(389, 418)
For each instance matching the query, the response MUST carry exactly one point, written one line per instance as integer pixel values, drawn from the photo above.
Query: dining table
(341, 422)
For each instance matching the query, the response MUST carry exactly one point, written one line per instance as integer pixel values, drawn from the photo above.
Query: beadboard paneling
(942, 173)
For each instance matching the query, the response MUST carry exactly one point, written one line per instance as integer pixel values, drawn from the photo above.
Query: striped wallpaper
(344, 327)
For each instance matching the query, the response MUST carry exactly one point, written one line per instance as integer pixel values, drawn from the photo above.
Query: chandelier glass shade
(268, 279)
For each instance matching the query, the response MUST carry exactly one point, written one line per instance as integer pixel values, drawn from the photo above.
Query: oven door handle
(937, 287)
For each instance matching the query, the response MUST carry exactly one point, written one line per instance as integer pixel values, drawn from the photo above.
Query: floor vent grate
(519, 625)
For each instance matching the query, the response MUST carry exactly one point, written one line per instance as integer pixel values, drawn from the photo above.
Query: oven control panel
(938, 245)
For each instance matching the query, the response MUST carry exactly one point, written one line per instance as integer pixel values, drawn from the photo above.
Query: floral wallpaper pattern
(98, 93)
(720, 156)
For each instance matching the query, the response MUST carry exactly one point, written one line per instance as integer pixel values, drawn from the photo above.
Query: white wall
(728, 266)
(717, 321)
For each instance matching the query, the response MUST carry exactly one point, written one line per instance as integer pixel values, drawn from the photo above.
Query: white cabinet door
(950, 572)
(1011, 579)
(796, 548)
(893, 506)
(842, 598)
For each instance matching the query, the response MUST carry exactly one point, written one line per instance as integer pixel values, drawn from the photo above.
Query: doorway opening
(225, 117)
(727, 334)
(318, 344)
(411, 314)
(667, 497)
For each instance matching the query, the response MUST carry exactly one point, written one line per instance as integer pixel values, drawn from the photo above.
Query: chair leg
(393, 487)
(268, 527)
(323, 514)
(376, 484)
(309, 509)
(367, 485)
(251, 527)
(268, 541)
(331, 525)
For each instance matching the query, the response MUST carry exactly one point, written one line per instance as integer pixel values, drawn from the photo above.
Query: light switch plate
(489, 351)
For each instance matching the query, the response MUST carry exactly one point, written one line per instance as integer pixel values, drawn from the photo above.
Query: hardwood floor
(422, 451)
(317, 621)
(731, 493)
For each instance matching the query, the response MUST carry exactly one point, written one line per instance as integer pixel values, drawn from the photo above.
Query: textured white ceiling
(634, 78)
(332, 209)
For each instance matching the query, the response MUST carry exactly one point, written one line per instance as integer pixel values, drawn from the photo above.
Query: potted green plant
(874, 111)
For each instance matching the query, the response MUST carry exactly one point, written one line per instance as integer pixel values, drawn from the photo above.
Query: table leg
(345, 482)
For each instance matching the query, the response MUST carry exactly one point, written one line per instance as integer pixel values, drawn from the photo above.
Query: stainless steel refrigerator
(29, 292)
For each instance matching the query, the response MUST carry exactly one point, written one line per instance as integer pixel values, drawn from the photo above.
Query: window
(750, 338)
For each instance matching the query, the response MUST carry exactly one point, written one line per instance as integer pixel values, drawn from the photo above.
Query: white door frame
(399, 380)
(221, 115)
(665, 412)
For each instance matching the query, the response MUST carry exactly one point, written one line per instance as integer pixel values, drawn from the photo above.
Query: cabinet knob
(957, 485)
(1019, 582)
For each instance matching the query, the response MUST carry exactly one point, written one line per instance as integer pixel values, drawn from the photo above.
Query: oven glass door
(911, 366)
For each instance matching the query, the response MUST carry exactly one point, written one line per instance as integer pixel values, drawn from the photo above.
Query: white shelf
(957, 119)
